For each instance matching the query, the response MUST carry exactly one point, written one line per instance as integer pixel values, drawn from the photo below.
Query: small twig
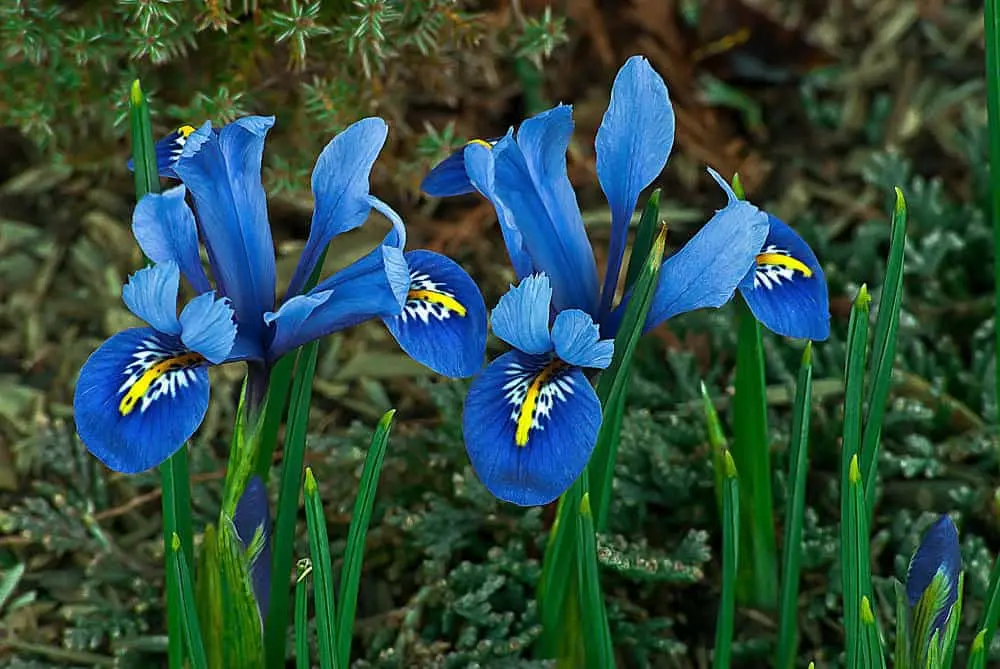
(56, 653)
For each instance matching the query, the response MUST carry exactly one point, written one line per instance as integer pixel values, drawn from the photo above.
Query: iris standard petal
(530, 424)
(139, 397)
(168, 150)
(222, 171)
(633, 144)
(707, 270)
(165, 228)
(207, 327)
(397, 236)
(521, 317)
(786, 288)
(151, 294)
(480, 169)
(443, 322)
(578, 340)
(449, 177)
(340, 187)
(531, 180)
(252, 521)
(374, 286)
(932, 579)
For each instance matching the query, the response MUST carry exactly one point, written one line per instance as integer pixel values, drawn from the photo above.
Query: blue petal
(151, 294)
(449, 177)
(443, 322)
(633, 144)
(168, 150)
(340, 187)
(578, 340)
(374, 286)
(479, 165)
(253, 516)
(207, 327)
(222, 171)
(530, 425)
(166, 230)
(139, 397)
(786, 288)
(707, 270)
(397, 236)
(932, 579)
(531, 180)
(521, 317)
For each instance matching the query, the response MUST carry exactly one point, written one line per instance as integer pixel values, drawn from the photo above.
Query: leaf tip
(585, 505)
(900, 201)
(864, 298)
(807, 354)
(979, 643)
(867, 615)
(310, 485)
(175, 542)
(730, 464)
(738, 186)
(135, 95)
(855, 471)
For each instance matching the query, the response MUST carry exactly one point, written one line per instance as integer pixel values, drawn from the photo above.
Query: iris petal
(252, 521)
(443, 322)
(480, 168)
(448, 178)
(707, 270)
(521, 317)
(207, 327)
(222, 171)
(340, 187)
(633, 144)
(786, 288)
(932, 580)
(151, 294)
(139, 397)
(165, 228)
(530, 425)
(578, 340)
(168, 150)
(374, 286)
(531, 180)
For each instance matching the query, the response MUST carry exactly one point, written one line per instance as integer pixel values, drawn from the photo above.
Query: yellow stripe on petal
(526, 414)
(782, 260)
(142, 385)
(185, 131)
(481, 142)
(434, 297)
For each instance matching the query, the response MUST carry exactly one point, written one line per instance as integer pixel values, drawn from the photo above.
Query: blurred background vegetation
(822, 107)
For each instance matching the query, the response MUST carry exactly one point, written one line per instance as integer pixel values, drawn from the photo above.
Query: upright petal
(252, 522)
(449, 177)
(932, 582)
(165, 228)
(207, 327)
(578, 340)
(633, 144)
(531, 180)
(222, 171)
(530, 425)
(443, 322)
(139, 397)
(168, 150)
(786, 288)
(480, 169)
(151, 294)
(340, 187)
(707, 270)
(374, 286)
(521, 317)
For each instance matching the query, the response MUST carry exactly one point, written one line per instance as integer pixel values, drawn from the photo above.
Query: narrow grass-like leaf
(278, 386)
(730, 563)
(319, 549)
(977, 654)
(276, 632)
(301, 613)
(9, 581)
(717, 442)
(208, 595)
(354, 553)
(798, 464)
(645, 235)
(599, 651)
(850, 551)
(901, 656)
(884, 349)
(189, 614)
(758, 581)
(146, 177)
(951, 627)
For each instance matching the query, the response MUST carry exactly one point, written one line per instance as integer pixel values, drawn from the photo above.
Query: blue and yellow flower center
(156, 372)
(428, 299)
(776, 266)
(532, 393)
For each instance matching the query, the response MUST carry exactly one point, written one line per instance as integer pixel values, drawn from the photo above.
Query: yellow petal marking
(526, 415)
(434, 297)
(141, 387)
(782, 260)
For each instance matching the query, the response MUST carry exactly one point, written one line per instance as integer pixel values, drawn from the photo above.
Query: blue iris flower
(932, 583)
(145, 391)
(531, 418)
